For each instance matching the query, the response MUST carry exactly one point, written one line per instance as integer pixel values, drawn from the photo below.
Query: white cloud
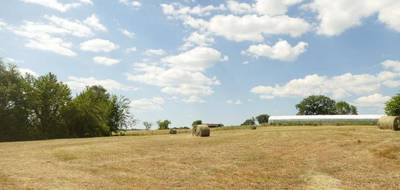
(282, 50)
(128, 34)
(234, 102)
(2, 24)
(133, 3)
(80, 83)
(98, 45)
(239, 8)
(64, 26)
(105, 60)
(337, 16)
(147, 104)
(55, 4)
(197, 39)
(196, 59)
(392, 65)
(181, 75)
(25, 71)
(262, 7)
(131, 50)
(374, 100)
(94, 22)
(345, 85)
(253, 27)
(155, 52)
(174, 10)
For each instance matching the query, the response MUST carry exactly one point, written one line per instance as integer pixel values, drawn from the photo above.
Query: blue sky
(219, 61)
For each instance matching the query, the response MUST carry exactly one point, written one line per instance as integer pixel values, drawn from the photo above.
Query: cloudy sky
(219, 61)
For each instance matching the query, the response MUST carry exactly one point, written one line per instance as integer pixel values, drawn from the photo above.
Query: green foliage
(197, 122)
(251, 121)
(50, 99)
(163, 124)
(262, 119)
(344, 108)
(41, 108)
(147, 125)
(316, 105)
(392, 107)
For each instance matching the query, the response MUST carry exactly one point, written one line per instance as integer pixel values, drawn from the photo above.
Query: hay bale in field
(389, 122)
(202, 131)
(253, 127)
(173, 131)
(194, 130)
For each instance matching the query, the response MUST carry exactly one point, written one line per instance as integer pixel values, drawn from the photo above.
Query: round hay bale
(173, 131)
(253, 127)
(202, 131)
(389, 122)
(194, 130)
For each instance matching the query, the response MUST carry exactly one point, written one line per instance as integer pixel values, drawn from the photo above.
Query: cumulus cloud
(234, 102)
(197, 39)
(147, 104)
(98, 45)
(128, 34)
(181, 75)
(374, 100)
(282, 50)
(105, 60)
(80, 83)
(253, 27)
(131, 50)
(391, 65)
(132, 3)
(262, 7)
(55, 4)
(174, 10)
(94, 22)
(25, 71)
(340, 86)
(337, 16)
(50, 35)
(155, 52)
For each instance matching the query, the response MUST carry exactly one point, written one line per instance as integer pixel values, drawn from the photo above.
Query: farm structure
(324, 119)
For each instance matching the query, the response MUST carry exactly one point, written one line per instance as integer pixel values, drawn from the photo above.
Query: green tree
(262, 119)
(50, 99)
(15, 107)
(344, 108)
(147, 125)
(251, 121)
(119, 117)
(316, 105)
(197, 122)
(88, 113)
(392, 107)
(163, 124)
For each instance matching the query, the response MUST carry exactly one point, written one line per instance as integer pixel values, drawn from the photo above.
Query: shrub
(251, 121)
(262, 119)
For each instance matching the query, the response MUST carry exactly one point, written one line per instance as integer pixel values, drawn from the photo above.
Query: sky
(218, 61)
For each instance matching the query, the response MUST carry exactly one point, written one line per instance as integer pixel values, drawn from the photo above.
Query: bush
(197, 122)
(262, 119)
(251, 121)
(163, 124)
(392, 107)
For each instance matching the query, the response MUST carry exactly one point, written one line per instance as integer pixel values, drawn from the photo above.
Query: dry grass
(324, 157)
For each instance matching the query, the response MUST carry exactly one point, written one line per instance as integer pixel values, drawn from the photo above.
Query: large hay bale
(202, 131)
(194, 130)
(253, 127)
(173, 131)
(389, 122)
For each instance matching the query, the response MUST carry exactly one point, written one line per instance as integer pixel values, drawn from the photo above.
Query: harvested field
(323, 157)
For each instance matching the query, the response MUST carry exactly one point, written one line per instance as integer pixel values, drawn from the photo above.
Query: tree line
(44, 108)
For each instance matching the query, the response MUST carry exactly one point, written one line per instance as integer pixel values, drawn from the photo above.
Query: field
(323, 157)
